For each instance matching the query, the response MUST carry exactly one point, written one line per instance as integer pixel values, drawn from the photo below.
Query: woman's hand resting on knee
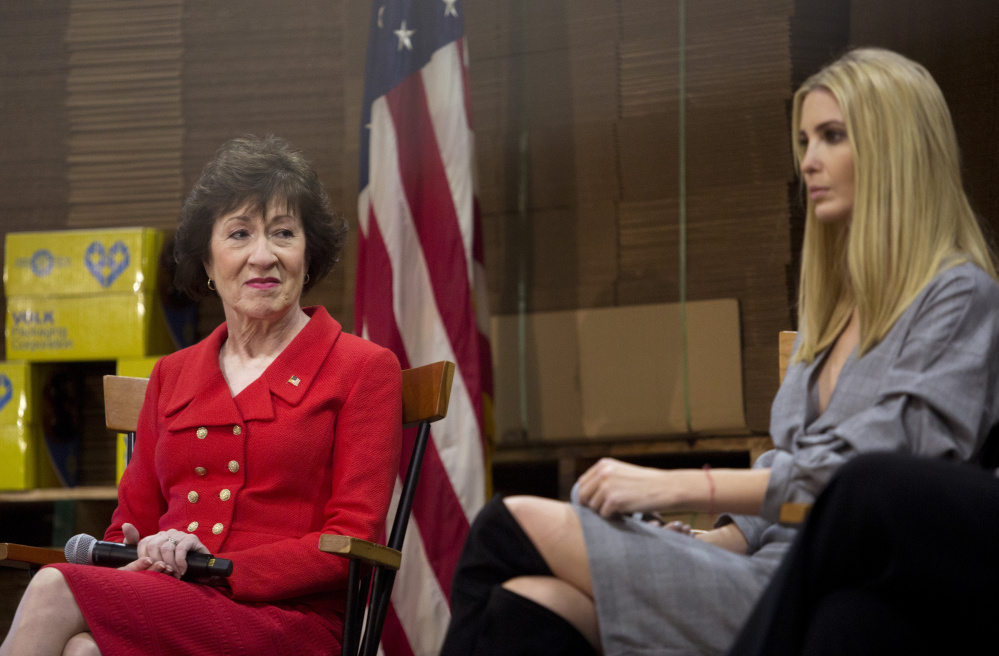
(611, 487)
(165, 551)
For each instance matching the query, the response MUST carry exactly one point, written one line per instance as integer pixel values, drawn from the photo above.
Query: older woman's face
(258, 260)
(827, 163)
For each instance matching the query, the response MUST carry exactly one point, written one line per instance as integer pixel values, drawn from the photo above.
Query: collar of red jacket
(202, 397)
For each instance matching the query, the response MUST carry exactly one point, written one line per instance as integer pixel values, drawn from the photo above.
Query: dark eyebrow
(245, 218)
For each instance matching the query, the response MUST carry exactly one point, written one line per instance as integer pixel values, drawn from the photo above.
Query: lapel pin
(295, 380)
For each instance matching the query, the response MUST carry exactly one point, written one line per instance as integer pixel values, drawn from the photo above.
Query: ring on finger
(174, 540)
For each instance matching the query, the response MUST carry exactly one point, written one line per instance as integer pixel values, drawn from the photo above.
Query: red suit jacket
(310, 447)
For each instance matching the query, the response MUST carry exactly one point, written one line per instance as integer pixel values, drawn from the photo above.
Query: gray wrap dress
(929, 389)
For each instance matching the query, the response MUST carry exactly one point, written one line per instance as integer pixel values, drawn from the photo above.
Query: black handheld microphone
(84, 549)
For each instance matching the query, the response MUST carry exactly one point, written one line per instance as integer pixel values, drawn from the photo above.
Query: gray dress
(929, 388)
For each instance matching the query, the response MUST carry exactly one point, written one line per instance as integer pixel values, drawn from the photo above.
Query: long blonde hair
(911, 217)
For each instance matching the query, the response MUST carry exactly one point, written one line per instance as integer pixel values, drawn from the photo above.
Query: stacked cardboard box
(23, 461)
(72, 296)
(618, 373)
(84, 295)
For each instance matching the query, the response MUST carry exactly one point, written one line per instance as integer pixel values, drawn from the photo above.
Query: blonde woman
(898, 351)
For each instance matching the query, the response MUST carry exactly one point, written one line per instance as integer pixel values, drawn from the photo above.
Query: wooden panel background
(958, 44)
(34, 127)
(273, 68)
(108, 110)
(600, 91)
(123, 96)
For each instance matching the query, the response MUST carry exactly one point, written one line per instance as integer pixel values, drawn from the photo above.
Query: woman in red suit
(276, 428)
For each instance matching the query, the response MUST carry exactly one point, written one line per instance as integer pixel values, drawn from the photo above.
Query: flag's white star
(450, 10)
(404, 34)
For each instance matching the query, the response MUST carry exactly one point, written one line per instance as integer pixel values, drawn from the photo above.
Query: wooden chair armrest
(367, 552)
(18, 555)
(794, 513)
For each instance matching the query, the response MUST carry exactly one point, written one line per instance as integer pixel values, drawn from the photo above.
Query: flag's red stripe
(377, 293)
(486, 365)
(394, 637)
(436, 507)
(478, 246)
(430, 202)
(478, 254)
(438, 513)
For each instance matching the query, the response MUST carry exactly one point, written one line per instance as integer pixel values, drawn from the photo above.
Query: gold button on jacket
(224, 495)
(217, 528)
(236, 430)
(202, 433)
(233, 466)
(200, 471)
(192, 527)
(192, 496)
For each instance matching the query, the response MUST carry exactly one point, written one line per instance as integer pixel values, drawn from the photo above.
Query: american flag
(421, 285)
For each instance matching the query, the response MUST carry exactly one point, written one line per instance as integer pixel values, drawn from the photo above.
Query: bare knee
(82, 644)
(530, 513)
(536, 514)
(561, 598)
(552, 593)
(554, 528)
(48, 614)
(48, 587)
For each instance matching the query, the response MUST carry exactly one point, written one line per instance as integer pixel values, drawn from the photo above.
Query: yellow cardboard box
(72, 262)
(17, 394)
(19, 455)
(86, 327)
(24, 461)
(139, 368)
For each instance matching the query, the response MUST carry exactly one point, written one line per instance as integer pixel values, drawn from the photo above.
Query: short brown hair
(254, 170)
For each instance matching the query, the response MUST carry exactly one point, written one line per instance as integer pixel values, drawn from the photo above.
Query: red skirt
(144, 613)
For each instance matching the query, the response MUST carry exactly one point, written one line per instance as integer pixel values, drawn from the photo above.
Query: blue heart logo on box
(6, 391)
(106, 265)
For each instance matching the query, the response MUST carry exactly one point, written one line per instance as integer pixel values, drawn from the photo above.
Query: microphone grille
(78, 549)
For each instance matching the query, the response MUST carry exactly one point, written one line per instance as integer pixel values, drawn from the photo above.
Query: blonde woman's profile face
(827, 157)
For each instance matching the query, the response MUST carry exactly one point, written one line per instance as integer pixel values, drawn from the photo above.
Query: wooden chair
(790, 513)
(426, 391)
(425, 394)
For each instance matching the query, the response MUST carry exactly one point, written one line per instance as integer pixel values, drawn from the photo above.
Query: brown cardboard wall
(958, 45)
